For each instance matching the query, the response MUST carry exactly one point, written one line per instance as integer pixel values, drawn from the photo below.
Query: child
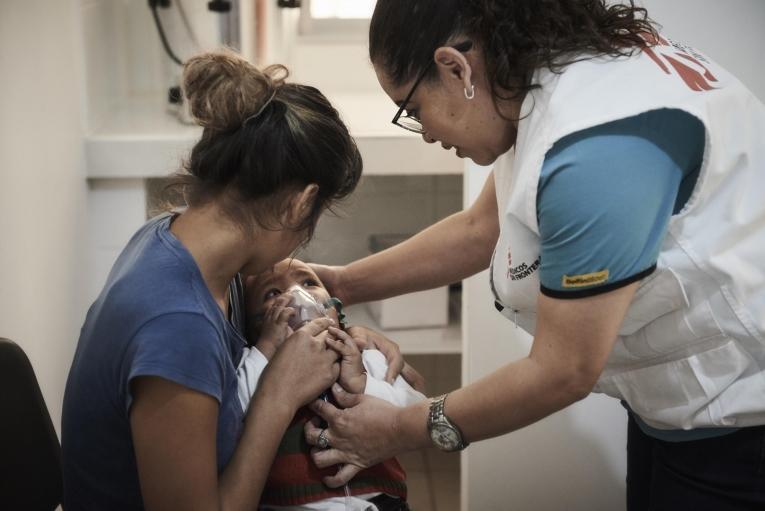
(277, 302)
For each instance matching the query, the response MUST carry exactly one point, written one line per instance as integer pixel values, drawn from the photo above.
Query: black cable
(162, 36)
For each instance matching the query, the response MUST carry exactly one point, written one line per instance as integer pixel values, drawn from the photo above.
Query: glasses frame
(462, 48)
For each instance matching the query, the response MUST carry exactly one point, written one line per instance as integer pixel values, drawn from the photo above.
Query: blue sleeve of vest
(605, 198)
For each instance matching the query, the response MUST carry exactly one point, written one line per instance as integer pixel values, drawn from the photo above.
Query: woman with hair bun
(623, 226)
(151, 416)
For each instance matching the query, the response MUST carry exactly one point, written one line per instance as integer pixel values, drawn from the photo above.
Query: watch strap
(437, 415)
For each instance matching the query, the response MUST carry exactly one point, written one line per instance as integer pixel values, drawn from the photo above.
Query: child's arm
(248, 374)
(273, 331)
(365, 372)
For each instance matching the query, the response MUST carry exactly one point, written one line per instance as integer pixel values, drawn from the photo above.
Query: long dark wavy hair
(517, 36)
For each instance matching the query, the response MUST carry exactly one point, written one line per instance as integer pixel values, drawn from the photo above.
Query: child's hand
(275, 329)
(353, 377)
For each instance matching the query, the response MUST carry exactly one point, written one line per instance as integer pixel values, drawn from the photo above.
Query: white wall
(730, 32)
(336, 67)
(124, 58)
(42, 185)
(575, 459)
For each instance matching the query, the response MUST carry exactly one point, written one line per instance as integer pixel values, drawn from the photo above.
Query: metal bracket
(219, 6)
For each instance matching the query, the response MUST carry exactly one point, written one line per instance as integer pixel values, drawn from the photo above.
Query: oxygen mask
(307, 308)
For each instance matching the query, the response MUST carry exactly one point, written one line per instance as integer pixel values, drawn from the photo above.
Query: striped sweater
(294, 479)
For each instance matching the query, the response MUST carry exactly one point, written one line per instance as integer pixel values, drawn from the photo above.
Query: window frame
(355, 29)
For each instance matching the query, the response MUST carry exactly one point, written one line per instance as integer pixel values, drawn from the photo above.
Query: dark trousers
(725, 473)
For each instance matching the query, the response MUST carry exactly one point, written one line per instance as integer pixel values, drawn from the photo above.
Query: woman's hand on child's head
(331, 278)
(353, 377)
(275, 328)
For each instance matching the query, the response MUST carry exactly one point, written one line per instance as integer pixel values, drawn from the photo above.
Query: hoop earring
(472, 92)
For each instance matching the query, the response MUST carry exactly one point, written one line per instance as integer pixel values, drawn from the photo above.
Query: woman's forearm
(513, 397)
(242, 482)
(508, 399)
(453, 249)
(444, 253)
(174, 434)
(297, 373)
(573, 341)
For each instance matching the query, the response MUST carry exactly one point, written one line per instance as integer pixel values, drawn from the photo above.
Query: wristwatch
(443, 432)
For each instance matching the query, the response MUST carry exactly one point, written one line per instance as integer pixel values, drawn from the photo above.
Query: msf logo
(521, 271)
(686, 62)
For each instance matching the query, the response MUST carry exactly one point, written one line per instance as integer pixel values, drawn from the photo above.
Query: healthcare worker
(623, 225)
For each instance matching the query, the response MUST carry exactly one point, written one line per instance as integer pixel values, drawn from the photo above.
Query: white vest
(691, 350)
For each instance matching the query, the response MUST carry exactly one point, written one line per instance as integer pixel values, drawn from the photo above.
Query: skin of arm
(174, 430)
(451, 250)
(573, 341)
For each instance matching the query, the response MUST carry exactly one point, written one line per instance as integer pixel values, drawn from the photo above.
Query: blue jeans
(725, 473)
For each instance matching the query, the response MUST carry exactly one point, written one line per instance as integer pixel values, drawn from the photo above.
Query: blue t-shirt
(154, 317)
(606, 195)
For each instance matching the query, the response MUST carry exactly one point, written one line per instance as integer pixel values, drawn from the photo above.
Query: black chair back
(30, 453)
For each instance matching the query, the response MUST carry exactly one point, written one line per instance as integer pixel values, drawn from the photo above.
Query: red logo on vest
(686, 62)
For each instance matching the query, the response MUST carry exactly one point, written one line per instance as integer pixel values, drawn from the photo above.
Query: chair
(30, 453)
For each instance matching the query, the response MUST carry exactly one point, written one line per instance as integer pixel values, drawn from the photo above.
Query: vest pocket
(656, 297)
(697, 390)
(663, 320)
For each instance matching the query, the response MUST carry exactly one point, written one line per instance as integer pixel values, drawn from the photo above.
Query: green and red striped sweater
(294, 479)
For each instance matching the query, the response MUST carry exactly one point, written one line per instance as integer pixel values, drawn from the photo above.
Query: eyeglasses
(409, 121)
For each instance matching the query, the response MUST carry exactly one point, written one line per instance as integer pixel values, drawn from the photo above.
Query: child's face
(263, 289)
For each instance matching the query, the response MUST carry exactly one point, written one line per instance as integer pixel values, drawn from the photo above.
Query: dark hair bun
(295, 138)
(222, 89)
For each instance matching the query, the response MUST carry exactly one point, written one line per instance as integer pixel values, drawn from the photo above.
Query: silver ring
(323, 442)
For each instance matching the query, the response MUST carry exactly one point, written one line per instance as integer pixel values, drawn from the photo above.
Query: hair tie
(262, 108)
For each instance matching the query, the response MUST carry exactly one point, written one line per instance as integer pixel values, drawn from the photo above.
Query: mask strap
(336, 304)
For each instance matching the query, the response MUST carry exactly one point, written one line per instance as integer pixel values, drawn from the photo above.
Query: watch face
(445, 437)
